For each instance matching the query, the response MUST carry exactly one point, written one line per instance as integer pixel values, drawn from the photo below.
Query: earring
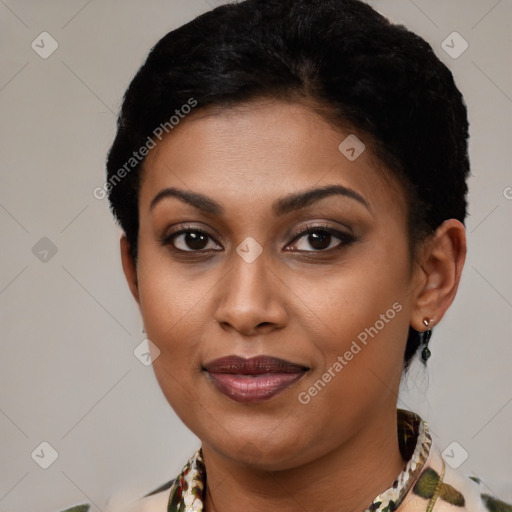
(425, 353)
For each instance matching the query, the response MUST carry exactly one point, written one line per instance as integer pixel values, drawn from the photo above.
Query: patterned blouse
(427, 483)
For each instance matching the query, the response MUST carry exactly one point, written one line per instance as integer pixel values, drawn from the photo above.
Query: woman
(290, 177)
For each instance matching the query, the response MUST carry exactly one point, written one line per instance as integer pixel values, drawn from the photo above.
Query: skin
(340, 450)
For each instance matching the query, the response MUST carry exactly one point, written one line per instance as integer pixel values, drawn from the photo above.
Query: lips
(254, 379)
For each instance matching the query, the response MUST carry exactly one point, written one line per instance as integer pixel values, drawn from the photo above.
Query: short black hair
(360, 69)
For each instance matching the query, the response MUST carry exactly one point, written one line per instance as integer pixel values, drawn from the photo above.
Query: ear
(440, 267)
(129, 269)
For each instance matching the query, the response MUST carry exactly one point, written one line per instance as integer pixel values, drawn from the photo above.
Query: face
(269, 336)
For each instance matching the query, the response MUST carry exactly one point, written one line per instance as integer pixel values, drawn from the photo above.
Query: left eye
(321, 239)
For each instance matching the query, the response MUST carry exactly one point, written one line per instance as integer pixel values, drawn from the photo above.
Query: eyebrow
(280, 207)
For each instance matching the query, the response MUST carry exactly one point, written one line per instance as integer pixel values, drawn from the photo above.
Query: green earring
(425, 353)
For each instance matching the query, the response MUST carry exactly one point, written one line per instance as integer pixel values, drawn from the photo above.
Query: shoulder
(84, 507)
(450, 489)
(155, 501)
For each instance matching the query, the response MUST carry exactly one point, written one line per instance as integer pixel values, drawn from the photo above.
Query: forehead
(249, 155)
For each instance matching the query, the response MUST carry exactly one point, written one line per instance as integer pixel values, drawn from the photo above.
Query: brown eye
(190, 240)
(321, 239)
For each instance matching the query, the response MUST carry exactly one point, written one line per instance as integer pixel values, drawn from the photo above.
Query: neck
(346, 479)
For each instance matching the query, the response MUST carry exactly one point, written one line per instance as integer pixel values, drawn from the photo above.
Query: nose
(251, 298)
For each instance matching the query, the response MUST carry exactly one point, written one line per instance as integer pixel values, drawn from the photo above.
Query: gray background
(68, 374)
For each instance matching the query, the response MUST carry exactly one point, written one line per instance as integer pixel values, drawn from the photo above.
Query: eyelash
(345, 238)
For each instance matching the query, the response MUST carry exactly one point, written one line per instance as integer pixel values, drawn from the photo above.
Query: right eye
(190, 239)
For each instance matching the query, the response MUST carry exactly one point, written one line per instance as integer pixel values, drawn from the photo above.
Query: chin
(257, 451)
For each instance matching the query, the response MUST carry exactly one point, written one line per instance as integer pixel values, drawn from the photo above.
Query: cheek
(172, 307)
(363, 312)
(172, 320)
(167, 295)
(173, 315)
(359, 349)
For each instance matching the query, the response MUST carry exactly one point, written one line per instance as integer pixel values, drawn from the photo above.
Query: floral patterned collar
(187, 494)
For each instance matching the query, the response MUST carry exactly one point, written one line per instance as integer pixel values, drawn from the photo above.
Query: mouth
(255, 379)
